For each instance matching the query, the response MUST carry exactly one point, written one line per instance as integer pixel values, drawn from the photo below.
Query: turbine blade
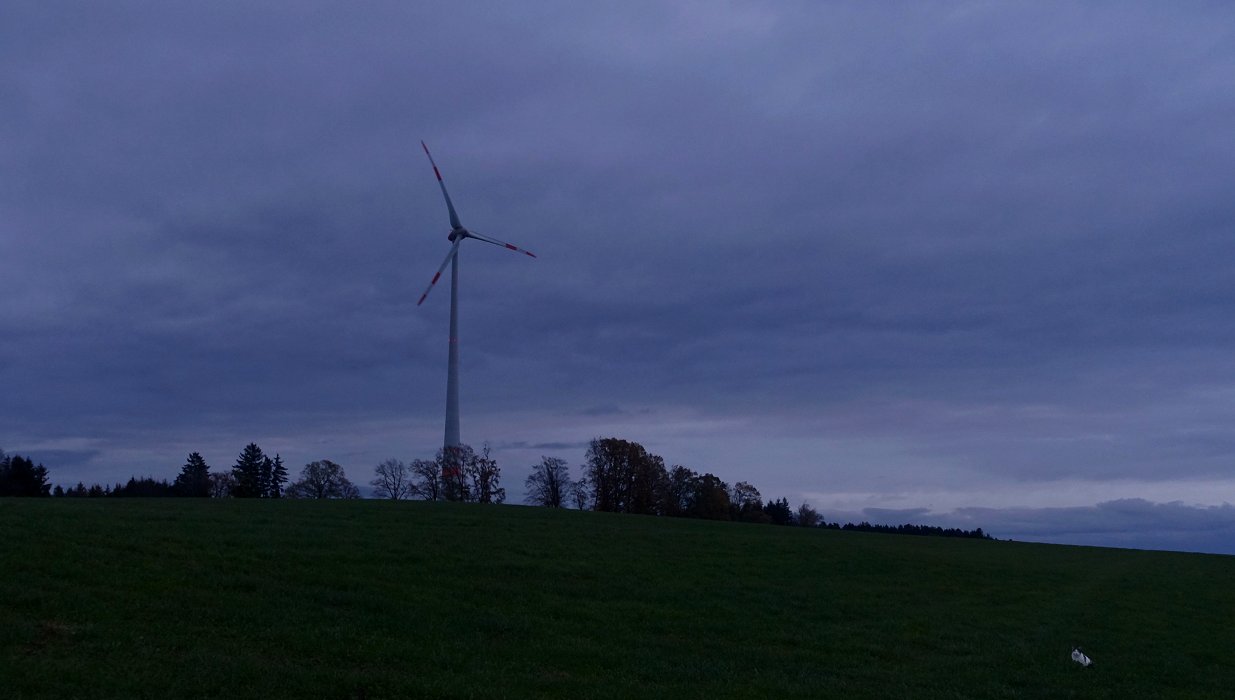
(453, 249)
(454, 218)
(494, 241)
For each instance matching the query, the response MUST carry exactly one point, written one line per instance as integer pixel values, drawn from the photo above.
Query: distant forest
(617, 476)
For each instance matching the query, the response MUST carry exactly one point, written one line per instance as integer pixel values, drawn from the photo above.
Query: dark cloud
(946, 244)
(63, 458)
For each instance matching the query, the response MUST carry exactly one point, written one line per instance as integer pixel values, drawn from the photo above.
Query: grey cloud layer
(999, 233)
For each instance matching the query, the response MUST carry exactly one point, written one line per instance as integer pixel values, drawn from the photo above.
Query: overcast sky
(954, 263)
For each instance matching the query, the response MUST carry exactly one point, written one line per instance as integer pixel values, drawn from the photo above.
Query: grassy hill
(366, 599)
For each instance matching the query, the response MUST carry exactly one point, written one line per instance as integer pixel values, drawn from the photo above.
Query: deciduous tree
(426, 479)
(222, 484)
(581, 493)
(549, 484)
(624, 477)
(807, 516)
(451, 461)
(747, 503)
(711, 498)
(469, 477)
(459, 474)
(323, 479)
(679, 494)
(484, 477)
(392, 480)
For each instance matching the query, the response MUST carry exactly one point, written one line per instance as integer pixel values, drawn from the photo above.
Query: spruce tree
(263, 478)
(278, 477)
(248, 471)
(20, 476)
(194, 478)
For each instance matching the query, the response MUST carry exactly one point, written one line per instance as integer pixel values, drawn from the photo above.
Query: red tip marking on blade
(511, 247)
(435, 279)
(435, 172)
(529, 253)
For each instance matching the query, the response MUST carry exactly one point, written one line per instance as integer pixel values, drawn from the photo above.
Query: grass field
(129, 598)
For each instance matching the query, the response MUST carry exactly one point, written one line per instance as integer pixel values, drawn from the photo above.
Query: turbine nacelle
(456, 234)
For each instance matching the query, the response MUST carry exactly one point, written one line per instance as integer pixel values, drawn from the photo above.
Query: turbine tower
(456, 236)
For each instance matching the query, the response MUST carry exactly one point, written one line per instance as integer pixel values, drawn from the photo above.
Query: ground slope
(368, 599)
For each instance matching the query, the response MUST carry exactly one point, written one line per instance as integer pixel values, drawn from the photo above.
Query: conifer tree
(278, 477)
(20, 476)
(247, 472)
(263, 477)
(194, 478)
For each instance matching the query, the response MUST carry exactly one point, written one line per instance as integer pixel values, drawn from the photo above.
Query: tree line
(19, 476)
(622, 476)
(931, 530)
(254, 475)
(455, 474)
(618, 476)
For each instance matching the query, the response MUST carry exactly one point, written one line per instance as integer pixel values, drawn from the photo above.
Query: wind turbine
(456, 236)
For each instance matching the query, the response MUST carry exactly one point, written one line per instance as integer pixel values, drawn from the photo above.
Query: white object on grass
(1079, 657)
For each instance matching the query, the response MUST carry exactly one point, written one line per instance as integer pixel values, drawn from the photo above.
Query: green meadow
(186, 598)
